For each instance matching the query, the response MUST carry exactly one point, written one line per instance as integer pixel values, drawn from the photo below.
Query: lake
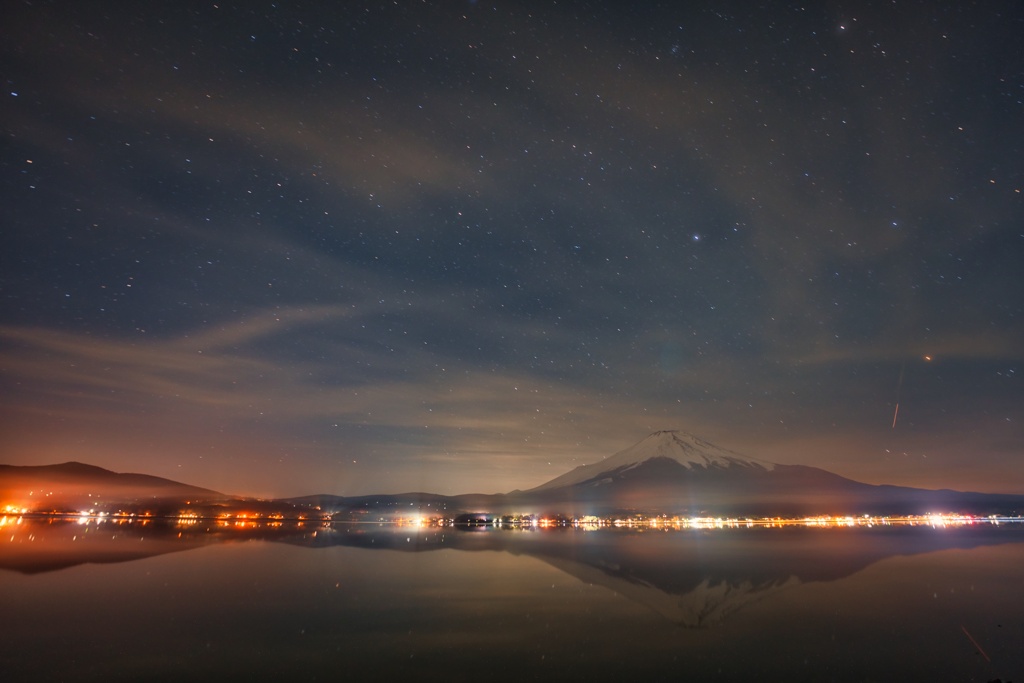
(106, 601)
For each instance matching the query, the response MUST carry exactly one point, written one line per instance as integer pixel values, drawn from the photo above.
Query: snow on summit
(683, 447)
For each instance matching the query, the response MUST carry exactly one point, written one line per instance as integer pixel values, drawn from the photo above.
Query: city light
(276, 519)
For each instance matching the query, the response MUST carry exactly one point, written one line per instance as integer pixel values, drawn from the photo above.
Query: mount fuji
(681, 447)
(677, 472)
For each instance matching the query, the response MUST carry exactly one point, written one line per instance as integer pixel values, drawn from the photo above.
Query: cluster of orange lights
(10, 514)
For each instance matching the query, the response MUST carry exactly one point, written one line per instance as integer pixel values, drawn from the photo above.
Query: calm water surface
(107, 602)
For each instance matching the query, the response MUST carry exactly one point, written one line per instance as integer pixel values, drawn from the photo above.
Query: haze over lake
(323, 602)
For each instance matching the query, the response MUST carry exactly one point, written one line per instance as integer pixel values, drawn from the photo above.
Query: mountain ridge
(675, 472)
(667, 472)
(79, 484)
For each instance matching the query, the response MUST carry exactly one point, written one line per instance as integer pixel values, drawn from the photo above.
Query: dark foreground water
(346, 603)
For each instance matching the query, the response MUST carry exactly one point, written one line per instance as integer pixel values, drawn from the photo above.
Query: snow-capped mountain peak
(685, 448)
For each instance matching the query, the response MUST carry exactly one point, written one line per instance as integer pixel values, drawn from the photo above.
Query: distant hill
(77, 486)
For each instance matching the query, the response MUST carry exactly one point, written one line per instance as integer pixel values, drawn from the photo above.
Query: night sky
(280, 248)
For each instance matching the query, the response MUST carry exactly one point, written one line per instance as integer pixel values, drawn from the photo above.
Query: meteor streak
(899, 385)
(974, 643)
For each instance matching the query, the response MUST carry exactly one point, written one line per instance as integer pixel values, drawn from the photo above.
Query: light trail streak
(975, 643)
(899, 386)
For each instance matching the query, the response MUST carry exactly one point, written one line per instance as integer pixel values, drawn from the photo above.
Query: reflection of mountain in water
(692, 578)
(708, 602)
